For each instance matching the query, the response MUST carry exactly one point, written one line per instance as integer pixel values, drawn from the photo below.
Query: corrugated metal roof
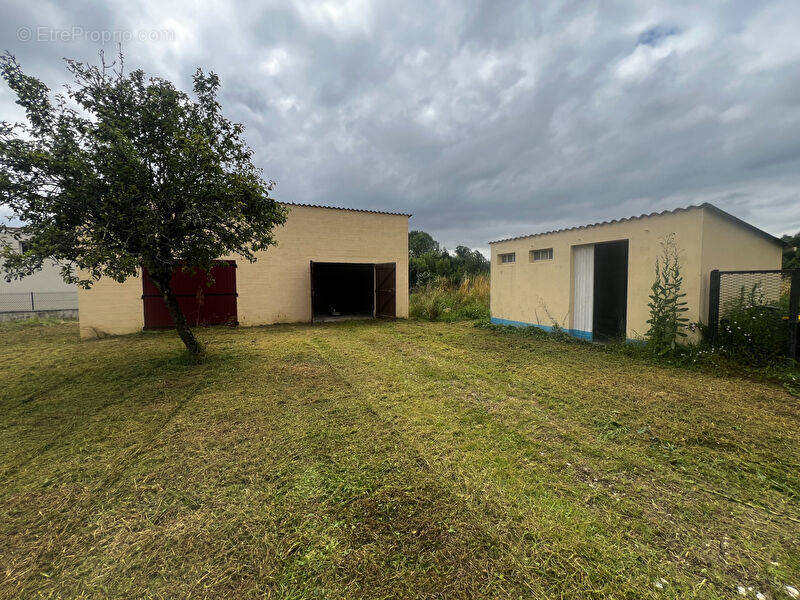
(366, 210)
(705, 205)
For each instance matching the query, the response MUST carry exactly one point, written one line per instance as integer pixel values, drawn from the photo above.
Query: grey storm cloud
(484, 119)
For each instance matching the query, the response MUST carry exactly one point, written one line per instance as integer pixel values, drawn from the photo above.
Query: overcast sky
(484, 119)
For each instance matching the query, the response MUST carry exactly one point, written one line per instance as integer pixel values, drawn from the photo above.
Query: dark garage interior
(610, 290)
(342, 290)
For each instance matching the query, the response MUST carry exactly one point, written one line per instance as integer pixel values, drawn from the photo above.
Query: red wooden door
(202, 304)
(385, 292)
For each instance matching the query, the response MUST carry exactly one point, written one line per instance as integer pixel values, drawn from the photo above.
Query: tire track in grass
(80, 514)
(337, 459)
(69, 405)
(75, 520)
(429, 485)
(445, 473)
(312, 449)
(386, 353)
(130, 393)
(621, 400)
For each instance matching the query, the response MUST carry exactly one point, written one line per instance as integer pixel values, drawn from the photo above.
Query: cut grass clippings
(386, 460)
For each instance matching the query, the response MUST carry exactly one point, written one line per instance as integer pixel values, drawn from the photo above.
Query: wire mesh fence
(756, 309)
(35, 301)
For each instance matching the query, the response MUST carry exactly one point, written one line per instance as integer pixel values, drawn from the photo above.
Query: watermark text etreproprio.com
(81, 34)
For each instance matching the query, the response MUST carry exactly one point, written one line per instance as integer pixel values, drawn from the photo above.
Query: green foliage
(379, 459)
(696, 357)
(136, 174)
(791, 252)
(531, 331)
(428, 262)
(751, 329)
(443, 301)
(421, 243)
(556, 334)
(34, 321)
(667, 325)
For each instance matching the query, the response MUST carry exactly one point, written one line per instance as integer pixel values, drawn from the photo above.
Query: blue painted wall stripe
(584, 335)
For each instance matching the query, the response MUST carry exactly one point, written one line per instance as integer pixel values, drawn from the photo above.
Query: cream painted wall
(541, 292)
(47, 280)
(111, 308)
(277, 287)
(729, 247)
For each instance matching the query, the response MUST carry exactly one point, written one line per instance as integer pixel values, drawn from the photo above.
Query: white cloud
(484, 121)
(772, 38)
(734, 113)
(275, 61)
(642, 61)
(342, 15)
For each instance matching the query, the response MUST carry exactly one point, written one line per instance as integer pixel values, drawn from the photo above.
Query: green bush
(443, 301)
(751, 329)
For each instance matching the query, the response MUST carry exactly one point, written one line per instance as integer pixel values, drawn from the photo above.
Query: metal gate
(775, 293)
(385, 290)
(201, 303)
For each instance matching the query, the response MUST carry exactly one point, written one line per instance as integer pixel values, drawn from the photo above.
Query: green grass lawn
(383, 460)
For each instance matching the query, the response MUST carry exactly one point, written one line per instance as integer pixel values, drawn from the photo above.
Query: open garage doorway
(341, 291)
(610, 290)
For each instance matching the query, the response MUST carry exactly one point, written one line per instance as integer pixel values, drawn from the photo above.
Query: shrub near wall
(444, 301)
(753, 330)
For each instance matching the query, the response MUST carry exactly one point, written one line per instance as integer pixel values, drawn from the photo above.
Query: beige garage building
(595, 280)
(329, 263)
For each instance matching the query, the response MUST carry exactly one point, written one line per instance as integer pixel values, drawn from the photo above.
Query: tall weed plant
(667, 305)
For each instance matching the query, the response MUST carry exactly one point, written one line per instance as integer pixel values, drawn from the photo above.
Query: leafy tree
(122, 172)
(471, 262)
(421, 243)
(428, 261)
(667, 325)
(791, 252)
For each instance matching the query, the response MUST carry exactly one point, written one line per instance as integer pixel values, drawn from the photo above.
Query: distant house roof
(705, 205)
(366, 210)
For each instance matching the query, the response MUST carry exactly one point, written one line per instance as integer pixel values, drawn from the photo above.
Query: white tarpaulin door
(583, 302)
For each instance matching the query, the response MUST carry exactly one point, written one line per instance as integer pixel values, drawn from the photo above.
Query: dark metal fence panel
(794, 313)
(35, 301)
(772, 292)
(713, 305)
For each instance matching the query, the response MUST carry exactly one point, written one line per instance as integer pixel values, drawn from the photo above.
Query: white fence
(36, 301)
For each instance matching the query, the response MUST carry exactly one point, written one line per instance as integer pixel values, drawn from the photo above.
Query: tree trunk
(186, 335)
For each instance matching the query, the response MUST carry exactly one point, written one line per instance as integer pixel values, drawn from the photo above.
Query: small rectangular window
(544, 254)
(24, 247)
(509, 257)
